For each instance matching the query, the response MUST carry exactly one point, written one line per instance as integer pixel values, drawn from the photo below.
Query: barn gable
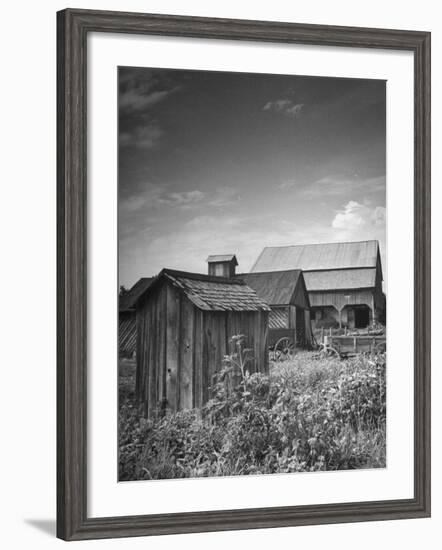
(279, 288)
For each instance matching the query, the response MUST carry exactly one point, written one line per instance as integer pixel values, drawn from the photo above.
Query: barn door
(300, 328)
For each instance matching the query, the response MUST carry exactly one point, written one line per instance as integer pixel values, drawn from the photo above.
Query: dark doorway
(362, 317)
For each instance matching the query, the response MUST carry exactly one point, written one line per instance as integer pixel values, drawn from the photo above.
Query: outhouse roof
(212, 293)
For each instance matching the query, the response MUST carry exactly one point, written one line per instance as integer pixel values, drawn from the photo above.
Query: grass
(309, 414)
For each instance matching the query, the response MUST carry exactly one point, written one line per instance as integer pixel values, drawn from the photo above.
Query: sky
(218, 162)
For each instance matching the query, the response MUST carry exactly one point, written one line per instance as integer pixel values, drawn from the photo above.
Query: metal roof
(212, 293)
(127, 301)
(340, 279)
(214, 258)
(310, 257)
(275, 287)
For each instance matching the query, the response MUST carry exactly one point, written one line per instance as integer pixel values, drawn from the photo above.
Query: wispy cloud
(183, 199)
(288, 184)
(141, 90)
(285, 107)
(141, 137)
(224, 196)
(154, 196)
(336, 185)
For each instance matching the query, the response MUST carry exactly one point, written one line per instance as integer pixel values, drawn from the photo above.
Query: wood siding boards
(341, 298)
(172, 346)
(187, 319)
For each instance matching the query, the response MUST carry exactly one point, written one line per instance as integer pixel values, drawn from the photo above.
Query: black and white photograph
(251, 274)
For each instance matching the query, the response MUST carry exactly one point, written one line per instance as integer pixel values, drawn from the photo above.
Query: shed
(127, 330)
(184, 324)
(344, 280)
(287, 296)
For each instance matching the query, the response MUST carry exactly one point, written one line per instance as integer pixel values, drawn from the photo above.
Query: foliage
(307, 414)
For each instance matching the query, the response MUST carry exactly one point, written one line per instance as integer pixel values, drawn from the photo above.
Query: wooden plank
(162, 310)
(187, 320)
(205, 358)
(151, 359)
(265, 344)
(198, 360)
(172, 347)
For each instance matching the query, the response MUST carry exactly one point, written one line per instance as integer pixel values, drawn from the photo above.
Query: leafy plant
(305, 415)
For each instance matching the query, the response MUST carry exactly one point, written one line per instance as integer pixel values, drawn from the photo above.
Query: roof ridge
(320, 244)
(297, 269)
(201, 277)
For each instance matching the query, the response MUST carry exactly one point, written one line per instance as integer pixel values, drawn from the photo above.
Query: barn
(287, 296)
(344, 280)
(127, 332)
(184, 324)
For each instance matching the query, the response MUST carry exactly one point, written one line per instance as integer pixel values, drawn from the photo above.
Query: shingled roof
(128, 300)
(211, 293)
(312, 257)
(274, 287)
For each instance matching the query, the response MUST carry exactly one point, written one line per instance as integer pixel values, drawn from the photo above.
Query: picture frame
(73, 27)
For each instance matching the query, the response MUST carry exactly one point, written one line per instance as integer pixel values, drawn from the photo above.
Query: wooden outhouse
(287, 296)
(184, 324)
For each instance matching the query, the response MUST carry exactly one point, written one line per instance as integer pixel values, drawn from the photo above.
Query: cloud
(355, 216)
(153, 197)
(284, 106)
(224, 196)
(141, 90)
(142, 137)
(183, 199)
(289, 184)
(336, 185)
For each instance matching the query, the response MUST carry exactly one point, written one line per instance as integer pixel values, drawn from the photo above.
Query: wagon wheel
(327, 351)
(284, 349)
(381, 347)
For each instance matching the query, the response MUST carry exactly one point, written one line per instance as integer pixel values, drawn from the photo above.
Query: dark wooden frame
(73, 27)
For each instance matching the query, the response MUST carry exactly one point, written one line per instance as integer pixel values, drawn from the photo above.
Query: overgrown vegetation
(308, 414)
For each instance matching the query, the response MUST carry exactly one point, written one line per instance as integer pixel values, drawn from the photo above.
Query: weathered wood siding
(180, 348)
(341, 298)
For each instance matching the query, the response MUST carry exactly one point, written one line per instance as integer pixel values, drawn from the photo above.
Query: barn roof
(212, 293)
(275, 287)
(311, 257)
(340, 279)
(127, 301)
(214, 258)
